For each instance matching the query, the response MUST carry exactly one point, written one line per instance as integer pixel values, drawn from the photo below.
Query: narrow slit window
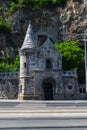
(20, 88)
(24, 64)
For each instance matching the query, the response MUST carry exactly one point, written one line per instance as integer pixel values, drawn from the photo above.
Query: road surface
(43, 115)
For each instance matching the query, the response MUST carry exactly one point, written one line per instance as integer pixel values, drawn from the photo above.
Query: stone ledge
(28, 97)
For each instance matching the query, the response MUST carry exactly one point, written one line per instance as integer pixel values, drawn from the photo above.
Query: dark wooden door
(48, 91)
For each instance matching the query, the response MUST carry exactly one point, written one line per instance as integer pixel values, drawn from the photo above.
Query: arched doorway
(48, 88)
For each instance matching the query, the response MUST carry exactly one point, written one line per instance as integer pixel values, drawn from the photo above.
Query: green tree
(6, 67)
(16, 64)
(33, 4)
(72, 57)
(5, 25)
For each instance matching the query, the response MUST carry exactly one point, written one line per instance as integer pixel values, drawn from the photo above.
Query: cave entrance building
(41, 74)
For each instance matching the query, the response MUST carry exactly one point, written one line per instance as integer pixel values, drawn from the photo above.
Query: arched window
(48, 64)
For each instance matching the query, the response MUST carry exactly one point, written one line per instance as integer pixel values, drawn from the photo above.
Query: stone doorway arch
(48, 88)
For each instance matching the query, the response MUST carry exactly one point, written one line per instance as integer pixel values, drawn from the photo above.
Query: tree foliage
(12, 67)
(5, 25)
(72, 57)
(34, 4)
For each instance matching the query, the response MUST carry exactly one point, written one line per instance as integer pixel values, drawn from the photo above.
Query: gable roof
(50, 43)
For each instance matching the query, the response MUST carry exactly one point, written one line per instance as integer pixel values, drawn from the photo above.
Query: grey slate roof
(29, 41)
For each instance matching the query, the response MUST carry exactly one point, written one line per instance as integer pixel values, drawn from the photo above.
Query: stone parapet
(70, 73)
(9, 75)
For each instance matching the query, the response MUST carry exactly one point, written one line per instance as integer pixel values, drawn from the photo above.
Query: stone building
(41, 75)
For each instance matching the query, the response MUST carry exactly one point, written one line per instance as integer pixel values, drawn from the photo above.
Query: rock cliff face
(59, 23)
(74, 17)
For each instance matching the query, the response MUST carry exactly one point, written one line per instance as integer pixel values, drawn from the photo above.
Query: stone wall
(69, 88)
(9, 83)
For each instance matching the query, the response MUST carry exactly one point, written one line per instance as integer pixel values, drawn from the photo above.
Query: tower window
(48, 64)
(20, 88)
(24, 64)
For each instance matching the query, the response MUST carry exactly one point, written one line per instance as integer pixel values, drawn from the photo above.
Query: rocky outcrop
(74, 17)
(62, 23)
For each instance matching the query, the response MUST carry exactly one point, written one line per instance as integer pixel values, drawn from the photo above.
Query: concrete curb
(43, 111)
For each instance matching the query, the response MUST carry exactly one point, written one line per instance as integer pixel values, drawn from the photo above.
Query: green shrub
(33, 4)
(5, 25)
(6, 67)
(72, 57)
(13, 7)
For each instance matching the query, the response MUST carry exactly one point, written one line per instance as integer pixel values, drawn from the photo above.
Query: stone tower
(27, 65)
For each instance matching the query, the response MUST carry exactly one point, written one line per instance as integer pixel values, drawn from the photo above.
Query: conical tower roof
(29, 41)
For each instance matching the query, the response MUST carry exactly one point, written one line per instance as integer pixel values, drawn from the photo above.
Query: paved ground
(43, 123)
(43, 115)
(42, 104)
